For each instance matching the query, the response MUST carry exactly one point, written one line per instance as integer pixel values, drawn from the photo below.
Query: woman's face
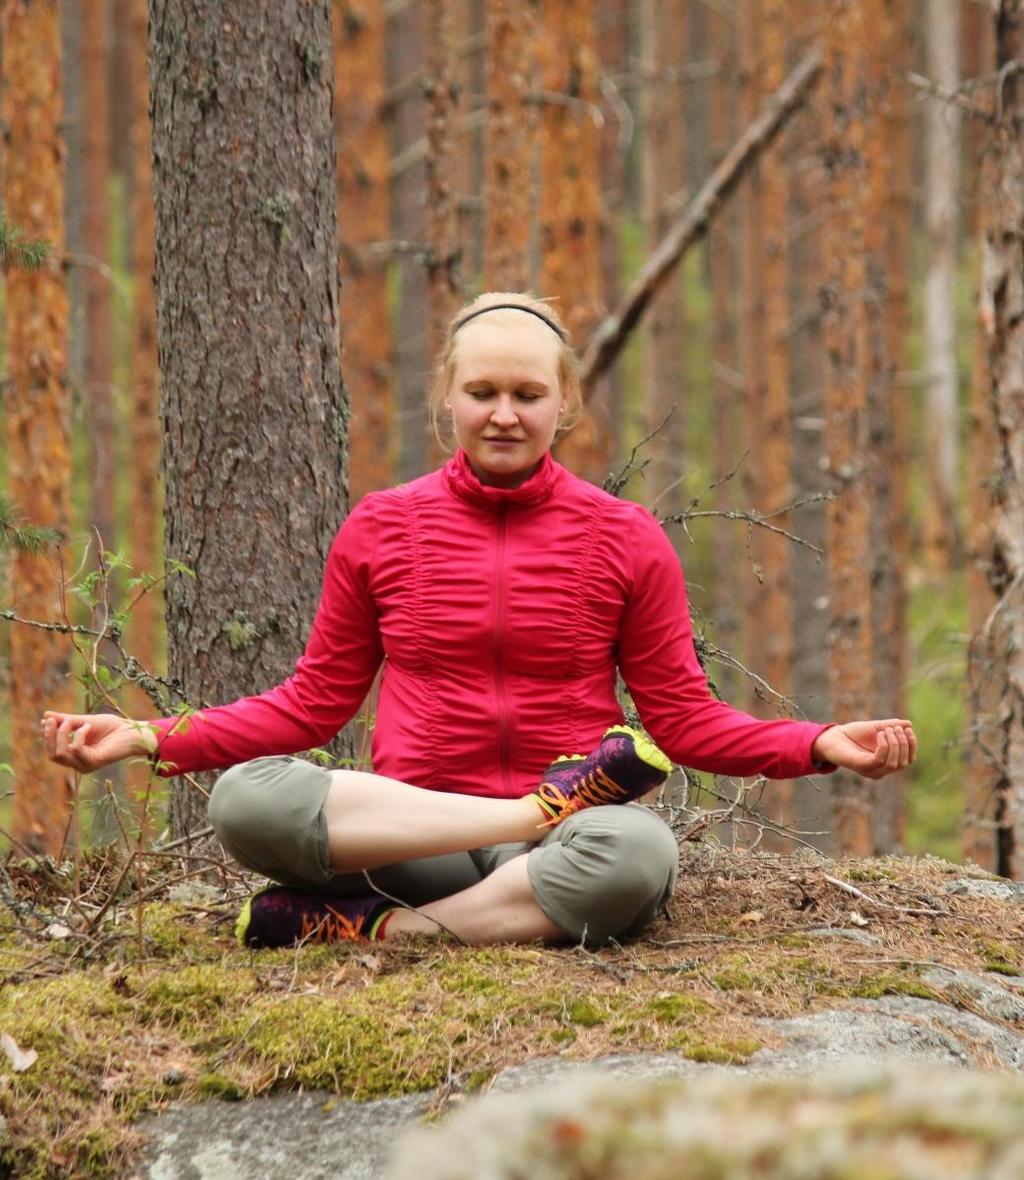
(505, 398)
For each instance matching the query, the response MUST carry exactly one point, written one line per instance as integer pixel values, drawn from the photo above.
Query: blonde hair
(568, 365)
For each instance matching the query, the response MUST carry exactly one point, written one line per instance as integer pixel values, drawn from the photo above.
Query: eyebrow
(539, 385)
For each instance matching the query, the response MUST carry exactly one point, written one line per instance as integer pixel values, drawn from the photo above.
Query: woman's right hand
(88, 742)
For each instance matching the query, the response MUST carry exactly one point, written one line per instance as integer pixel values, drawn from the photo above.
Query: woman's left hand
(871, 748)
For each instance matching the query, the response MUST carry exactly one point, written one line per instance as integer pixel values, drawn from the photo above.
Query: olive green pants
(603, 873)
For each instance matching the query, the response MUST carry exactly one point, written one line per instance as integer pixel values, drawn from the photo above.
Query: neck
(514, 480)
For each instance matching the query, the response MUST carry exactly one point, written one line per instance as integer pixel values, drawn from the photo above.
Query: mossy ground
(123, 1023)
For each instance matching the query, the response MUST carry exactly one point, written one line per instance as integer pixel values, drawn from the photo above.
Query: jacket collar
(465, 484)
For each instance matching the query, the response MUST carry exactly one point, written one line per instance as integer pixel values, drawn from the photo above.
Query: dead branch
(610, 336)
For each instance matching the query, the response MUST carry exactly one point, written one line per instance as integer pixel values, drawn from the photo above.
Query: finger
(892, 761)
(903, 746)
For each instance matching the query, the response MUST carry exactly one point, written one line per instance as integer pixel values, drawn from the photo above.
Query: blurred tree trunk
(570, 213)
(769, 641)
(98, 371)
(612, 36)
(891, 224)
(508, 144)
(723, 265)
(847, 398)
(36, 404)
(442, 108)
(145, 518)
(1001, 641)
(98, 392)
(253, 408)
(942, 135)
(407, 38)
(809, 606)
(981, 794)
(665, 51)
(363, 219)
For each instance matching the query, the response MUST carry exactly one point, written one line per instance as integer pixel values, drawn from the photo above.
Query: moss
(587, 1013)
(891, 983)
(216, 1085)
(728, 1052)
(678, 1007)
(197, 993)
(999, 957)
(871, 873)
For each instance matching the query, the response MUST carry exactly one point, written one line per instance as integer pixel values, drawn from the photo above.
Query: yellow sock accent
(244, 918)
(646, 750)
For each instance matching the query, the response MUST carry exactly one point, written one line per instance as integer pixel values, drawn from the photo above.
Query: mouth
(503, 441)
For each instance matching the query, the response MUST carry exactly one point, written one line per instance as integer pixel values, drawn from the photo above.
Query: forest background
(807, 400)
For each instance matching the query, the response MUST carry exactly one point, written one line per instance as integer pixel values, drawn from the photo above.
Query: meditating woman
(502, 595)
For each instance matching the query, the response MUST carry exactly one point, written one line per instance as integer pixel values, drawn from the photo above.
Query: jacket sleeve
(330, 680)
(670, 690)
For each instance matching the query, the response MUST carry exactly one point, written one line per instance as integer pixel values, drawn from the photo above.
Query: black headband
(515, 307)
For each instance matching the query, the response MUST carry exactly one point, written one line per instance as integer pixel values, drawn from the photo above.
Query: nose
(504, 413)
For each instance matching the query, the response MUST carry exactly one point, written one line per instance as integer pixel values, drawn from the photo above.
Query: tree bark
(766, 365)
(363, 217)
(407, 38)
(253, 408)
(942, 135)
(665, 49)
(1002, 315)
(981, 794)
(98, 391)
(38, 454)
(144, 523)
(508, 145)
(848, 342)
(570, 212)
(889, 246)
(723, 268)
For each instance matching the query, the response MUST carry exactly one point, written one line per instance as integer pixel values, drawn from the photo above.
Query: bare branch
(609, 337)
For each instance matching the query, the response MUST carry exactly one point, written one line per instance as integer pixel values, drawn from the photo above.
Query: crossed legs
(601, 873)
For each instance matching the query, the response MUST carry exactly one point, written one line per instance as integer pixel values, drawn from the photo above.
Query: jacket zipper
(499, 670)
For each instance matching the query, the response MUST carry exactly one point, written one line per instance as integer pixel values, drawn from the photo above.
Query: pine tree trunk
(38, 458)
(508, 145)
(570, 213)
(769, 619)
(664, 177)
(723, 266)
(1002, 314)
(942, 133)
(98, 393)
(612, 47)
(407, 38)
(442, 107)
(848, 381)
(890, 217)
(363, 216)
(145, 518)
(981, 794)
(807, 358)
(253, 408)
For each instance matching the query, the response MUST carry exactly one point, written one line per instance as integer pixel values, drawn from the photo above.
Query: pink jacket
(501, 617)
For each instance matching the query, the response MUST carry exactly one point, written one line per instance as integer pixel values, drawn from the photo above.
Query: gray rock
(979, 1037)
(312, 1136)
(994, 999)
(978, 887)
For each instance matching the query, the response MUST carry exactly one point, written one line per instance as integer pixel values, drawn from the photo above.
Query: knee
(642, 858)
(240, 801)
(229, 802)
(608, 873)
